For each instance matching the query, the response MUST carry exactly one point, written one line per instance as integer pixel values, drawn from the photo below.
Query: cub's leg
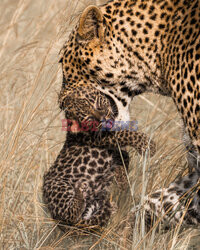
(65, 202)
(113, 139)
(98, 211)
(121, 163)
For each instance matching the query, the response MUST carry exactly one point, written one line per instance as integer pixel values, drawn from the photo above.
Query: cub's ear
(91, 24)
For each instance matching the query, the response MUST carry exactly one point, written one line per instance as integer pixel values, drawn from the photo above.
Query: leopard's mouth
(113, 106)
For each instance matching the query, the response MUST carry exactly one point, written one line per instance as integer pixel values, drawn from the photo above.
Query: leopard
(76, 188)
(125, 48)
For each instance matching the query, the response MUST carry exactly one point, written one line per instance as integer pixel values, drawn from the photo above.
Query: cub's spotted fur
(77, 187)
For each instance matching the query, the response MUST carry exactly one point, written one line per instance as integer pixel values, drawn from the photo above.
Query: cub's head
(87, 104)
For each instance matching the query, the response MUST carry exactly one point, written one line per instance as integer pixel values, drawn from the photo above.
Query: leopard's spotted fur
(128, 47)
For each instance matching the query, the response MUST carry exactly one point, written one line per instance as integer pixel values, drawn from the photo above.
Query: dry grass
(31, 35)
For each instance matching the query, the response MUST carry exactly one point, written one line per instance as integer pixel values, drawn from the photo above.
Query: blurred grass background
(31, 35)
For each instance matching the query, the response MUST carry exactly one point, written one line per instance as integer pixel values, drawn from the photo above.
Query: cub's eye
(99, 108)
(98, 103)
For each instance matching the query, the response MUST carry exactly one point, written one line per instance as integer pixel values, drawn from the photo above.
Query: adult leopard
(128, 47)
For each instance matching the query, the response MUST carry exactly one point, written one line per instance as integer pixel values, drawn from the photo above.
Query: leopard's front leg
(179, 203)
(193, 156)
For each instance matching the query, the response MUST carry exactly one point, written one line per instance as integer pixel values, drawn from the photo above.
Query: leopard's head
(105, 51)
(89, 60)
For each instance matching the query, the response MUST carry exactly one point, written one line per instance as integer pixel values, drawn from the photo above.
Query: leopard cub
(76, 188)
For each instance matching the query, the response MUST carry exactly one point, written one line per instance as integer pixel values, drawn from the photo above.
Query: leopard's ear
(91, 24)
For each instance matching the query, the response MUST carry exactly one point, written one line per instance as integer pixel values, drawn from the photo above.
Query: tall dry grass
(31, 35)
